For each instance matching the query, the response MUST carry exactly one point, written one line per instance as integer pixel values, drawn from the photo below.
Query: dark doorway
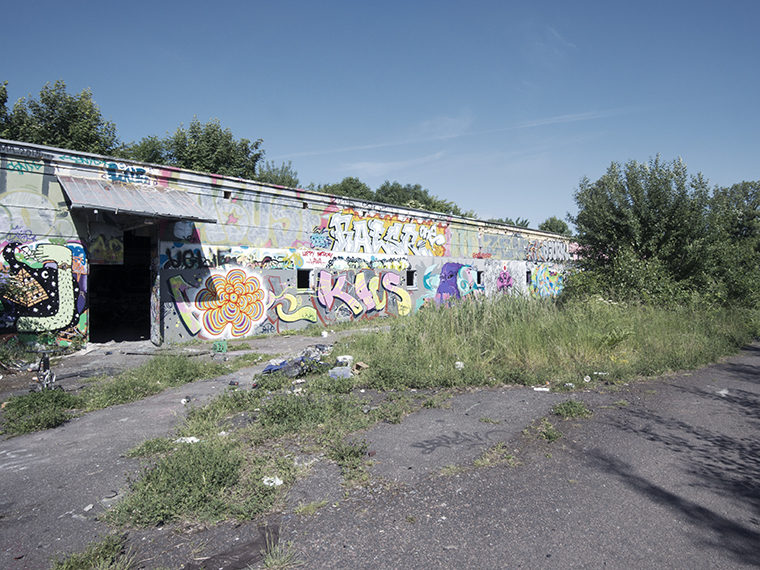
(120, 294)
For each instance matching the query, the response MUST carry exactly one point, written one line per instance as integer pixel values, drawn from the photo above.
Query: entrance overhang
(135, 199)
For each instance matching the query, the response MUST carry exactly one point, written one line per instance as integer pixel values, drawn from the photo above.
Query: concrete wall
(275, 259)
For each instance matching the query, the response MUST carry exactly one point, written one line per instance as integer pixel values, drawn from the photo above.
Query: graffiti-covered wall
(273, 259)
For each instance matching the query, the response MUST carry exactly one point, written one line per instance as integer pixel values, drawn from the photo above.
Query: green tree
(350, 187)
(517, 222)
(555, 225)
(203, 147)
(733, 261)
(58, 119)
(655, 209)
(283, 175)
(415, 196)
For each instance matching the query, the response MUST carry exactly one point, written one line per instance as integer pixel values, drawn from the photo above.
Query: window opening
(303, 278)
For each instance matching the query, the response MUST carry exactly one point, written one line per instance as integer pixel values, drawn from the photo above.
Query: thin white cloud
(448, 128)
(380, 168)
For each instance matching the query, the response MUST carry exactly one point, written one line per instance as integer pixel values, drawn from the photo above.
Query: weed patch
(39, 410)
(496, 455)
(571, 409)
(543, 429)
(309, 509)
(108, 554)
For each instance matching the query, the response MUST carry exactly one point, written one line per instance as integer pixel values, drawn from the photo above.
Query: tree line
(58, 118)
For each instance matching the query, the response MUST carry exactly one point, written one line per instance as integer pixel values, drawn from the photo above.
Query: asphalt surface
(664, 474)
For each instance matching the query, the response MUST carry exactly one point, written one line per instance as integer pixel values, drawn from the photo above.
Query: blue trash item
(340, 372)
(274, 366)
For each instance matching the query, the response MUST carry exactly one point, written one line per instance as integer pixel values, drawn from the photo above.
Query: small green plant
(543, 429)
(350, 456)
(278, 556)
(621, 403)
(450, 470)
(107, 554)
(487, 420)
(309, 509)
(495, 455)
(571, 409)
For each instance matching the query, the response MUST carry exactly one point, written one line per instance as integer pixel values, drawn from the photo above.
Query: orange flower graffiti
(235, 299)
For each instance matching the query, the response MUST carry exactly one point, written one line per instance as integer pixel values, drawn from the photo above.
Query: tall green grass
(529, 341)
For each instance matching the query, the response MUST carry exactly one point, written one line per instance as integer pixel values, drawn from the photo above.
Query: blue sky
(501, 107)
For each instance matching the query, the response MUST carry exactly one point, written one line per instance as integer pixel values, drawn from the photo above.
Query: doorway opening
(119, 295)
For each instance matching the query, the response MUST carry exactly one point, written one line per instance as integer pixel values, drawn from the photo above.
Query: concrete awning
(136, 199)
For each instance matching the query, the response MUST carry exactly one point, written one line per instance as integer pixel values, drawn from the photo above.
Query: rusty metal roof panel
(127, 198)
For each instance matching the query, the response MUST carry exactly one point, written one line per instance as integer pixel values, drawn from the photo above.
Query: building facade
(95, 248)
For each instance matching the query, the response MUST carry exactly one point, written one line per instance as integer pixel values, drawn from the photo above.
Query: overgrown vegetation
(515, 340)
(51, 408)
(652, 233)
(107, 554)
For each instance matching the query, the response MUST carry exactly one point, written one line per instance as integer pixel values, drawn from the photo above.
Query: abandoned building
(96, 248)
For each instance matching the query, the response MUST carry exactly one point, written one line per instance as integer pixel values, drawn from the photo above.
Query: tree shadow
(725, 462)
(742, 542)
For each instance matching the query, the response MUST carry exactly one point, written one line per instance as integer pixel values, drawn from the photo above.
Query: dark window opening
(411, 278)
(480, 278)
(527, 277)
(303, 278)
(305, 205)
(227, 194)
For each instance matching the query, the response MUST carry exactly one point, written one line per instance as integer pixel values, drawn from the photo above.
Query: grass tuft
(571, 409)
(108, 554)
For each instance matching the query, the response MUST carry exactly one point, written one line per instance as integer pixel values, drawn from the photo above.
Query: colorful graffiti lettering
(369, 294)
(538, 251)
(546, 281)
(124, 173)
(319, 238)
(354, 233)
(236, 299)
(19, 234)
(22, 166)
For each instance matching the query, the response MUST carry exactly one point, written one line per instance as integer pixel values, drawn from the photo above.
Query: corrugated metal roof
(126, 198)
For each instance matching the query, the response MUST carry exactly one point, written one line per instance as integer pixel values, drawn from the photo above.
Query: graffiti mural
(455, 282)
(546, 281)
(352, 232)
(42, 292)
(235, 301)
(363, 293)
(504, 281)
(549, 250)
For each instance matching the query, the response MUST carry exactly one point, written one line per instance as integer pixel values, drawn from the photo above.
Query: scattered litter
(88, 507)
(540, 389)
(298, 381)
(459, 365)
(365, 409)
(223, 434)
(601, 373)
(587, 378)
(325, 334)
(345, 360)
(3, 405)
(191, 439)
(296, 391)
(359, 366)
(569, 385)
(340, 372)
(723, 392)
(362, 390)
(234, 383)
(272, 481)
(185, 401)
